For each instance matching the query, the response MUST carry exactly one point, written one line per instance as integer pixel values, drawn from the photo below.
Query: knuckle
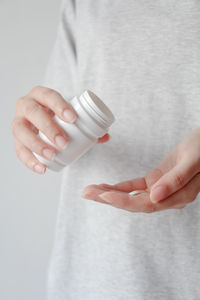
(47, 92)
(58, 106)
(179, 180)
(50, 129)
(31, 108)
(55, 98)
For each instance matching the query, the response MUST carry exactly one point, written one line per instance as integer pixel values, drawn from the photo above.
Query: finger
(152, 176)
(93, 191)
(118, 199)
(32, 127)
(134, 203)
(36, 114)
(129, 185)
(27, 137)
(182, 197)
(104, 138)
(141, 202)
(28, 159)
(49, 111)
(55, 102)
(174, 180)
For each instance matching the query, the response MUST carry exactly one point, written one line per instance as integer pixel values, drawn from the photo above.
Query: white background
(28, 202)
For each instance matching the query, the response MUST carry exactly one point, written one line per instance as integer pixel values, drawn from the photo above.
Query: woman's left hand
(173, 184)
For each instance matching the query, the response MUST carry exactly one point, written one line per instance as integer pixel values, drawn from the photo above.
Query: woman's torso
(143, 59)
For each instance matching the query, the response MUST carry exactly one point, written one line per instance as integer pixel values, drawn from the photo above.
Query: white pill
(135, 192)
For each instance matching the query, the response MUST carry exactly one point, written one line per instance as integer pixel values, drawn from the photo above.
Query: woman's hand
(35, 112)
(173, 184)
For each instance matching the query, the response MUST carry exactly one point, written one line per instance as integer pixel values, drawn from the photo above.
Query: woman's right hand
(35, 112)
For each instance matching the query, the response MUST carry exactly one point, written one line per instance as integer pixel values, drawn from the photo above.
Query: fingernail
(39, 169)
(48, 153)
(157, 194)
(61, 142)
(106, 197)
(69, 115)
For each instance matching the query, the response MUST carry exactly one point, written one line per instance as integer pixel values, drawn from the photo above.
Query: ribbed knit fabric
(142, 58)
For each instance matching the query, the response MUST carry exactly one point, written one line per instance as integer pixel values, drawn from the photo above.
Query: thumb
(173, 180)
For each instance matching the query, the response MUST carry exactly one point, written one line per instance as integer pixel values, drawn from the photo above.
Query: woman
(142, 58)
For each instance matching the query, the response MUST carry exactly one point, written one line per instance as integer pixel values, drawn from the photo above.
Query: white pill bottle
(94, 120)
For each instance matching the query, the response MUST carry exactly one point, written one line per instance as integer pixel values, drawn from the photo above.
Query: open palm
(173, 184)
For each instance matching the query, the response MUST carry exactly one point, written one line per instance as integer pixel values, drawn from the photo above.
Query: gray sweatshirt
(142, 58)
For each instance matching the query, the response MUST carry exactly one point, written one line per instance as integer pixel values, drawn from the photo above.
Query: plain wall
(28, 201)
